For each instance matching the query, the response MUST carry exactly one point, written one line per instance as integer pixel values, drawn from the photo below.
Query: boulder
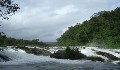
(36, 51)
(61, 54)
(95, 58)
(4, 58)
(108, 55)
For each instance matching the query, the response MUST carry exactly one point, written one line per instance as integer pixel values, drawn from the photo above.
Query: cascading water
(20, 60)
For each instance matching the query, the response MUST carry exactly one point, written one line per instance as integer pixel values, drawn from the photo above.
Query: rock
(118, 63)
(95, 58)
(61, 54)
(4, 58)
(108, 55)
(117, 52)
(1, 49)
(36, 51)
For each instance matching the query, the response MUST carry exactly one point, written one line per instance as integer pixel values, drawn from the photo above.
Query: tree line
(8, 8)
(8, 41)
(103, 29)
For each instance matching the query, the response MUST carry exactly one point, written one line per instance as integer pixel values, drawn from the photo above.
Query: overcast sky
(49, 19)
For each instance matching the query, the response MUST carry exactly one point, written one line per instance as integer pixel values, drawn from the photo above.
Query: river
(20, 60)
(49, 65)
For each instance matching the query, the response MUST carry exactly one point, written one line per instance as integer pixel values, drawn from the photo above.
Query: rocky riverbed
(20, 60)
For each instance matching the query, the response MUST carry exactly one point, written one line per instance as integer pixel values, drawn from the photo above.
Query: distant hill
(103, 29)
(51, 43)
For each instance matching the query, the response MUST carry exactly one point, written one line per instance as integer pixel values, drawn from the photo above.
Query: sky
(47, 20)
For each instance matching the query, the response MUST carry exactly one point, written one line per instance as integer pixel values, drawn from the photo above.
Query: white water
(23, 61)
(19, 56)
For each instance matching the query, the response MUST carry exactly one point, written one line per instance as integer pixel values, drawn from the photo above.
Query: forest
(8, 41)
(102, 30)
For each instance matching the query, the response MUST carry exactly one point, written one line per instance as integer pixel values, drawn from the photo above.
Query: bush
(95, 58)
(68, 54)
(73, 54)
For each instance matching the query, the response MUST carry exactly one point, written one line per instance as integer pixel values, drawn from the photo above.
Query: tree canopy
(103, 29)
(8, 41)
(7, 8)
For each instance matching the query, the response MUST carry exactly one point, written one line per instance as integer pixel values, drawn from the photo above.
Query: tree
(35, 42)
(103, 30)
(7, 8)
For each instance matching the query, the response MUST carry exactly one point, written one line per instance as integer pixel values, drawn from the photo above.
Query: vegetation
(8, 8)
(51, 43)
(68, 54)
(103, 29)
(5, 41)
(73, 54)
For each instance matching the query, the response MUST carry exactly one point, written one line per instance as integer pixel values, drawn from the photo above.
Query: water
(23, 61)
(50, 65)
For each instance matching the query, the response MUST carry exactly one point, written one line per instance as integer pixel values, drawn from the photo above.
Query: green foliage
(8, 8)
(103, 29)
(5, 41)
(2, 38)
(113, 42)
(73, 54)
(68, 54)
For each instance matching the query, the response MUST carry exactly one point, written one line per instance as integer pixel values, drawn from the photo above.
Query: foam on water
(19, 56)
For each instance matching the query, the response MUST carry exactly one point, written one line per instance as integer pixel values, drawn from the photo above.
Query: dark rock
(118, 63)
(108, 55)
(1, 49)
(61, 54)
(117, 52)
(4, 58)
(36, 51)
(95, 58)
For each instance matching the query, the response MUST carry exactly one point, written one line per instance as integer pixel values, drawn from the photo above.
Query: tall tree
(7, 8)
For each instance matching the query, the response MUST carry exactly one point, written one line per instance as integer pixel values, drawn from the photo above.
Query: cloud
(47, 20)
(66, 10)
